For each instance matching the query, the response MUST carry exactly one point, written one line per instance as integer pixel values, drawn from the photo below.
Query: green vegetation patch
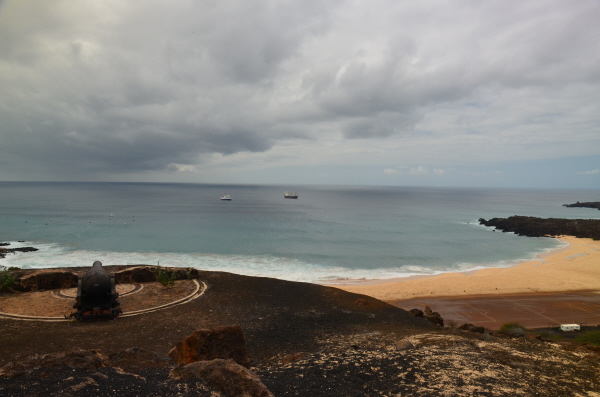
(165, 277)
(592, 337)
(513, 329)
(6, 280)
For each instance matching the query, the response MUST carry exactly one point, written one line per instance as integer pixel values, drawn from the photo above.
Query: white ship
(290, 195)
(226, 197)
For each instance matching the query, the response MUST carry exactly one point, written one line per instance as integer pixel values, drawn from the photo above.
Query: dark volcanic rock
(416, 312)
(593, 204)
(226, 342)
(4, 251)
(551, 227)
(433, 317)
(226, 376)
(349, 349)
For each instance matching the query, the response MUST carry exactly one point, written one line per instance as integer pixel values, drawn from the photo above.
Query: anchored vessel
(290, 195)
(226, 197)
(96, 295)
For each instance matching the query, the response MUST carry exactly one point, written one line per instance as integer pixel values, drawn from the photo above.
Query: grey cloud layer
(123, 87)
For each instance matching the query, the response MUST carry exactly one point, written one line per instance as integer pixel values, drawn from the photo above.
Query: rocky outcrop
(433, 317)
(218, 357)
(226, 376)
(541, 227)
(416, 312)
(593, 204)
(5, 251)
(47, 280)
(226, 342)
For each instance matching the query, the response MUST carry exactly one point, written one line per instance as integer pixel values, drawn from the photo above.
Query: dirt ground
(59, 303)
(276, 316)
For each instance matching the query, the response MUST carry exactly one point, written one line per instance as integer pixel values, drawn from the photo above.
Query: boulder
(361, 302)
(226, 342)
(404, 345)
(226, 376)
(416, 312)
(433, 317)
(44, 280)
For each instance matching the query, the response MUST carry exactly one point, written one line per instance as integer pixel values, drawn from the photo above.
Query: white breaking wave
(57, 256)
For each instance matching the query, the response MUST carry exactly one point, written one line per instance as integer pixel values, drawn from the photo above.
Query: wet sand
(573, 268)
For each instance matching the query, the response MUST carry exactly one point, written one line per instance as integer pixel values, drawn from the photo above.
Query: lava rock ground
(343, 345)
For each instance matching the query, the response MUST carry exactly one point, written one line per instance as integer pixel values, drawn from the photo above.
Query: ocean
(329, 234)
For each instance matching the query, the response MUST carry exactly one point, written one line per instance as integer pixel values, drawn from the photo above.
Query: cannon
(96, 295)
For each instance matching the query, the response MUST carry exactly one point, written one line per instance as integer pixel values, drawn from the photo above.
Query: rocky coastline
(5, 251)
(546, 227)
(591, 204)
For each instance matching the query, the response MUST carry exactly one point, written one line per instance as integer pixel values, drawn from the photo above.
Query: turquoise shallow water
(329, 233)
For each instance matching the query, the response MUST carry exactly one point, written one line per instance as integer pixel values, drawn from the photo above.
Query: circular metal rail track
(198, 291)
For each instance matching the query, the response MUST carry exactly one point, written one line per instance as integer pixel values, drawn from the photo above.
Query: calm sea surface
(327, 234)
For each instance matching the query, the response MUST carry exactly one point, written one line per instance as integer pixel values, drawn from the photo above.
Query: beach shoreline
(570, 268)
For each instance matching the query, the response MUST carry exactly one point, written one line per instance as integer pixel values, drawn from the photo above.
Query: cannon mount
(96, 295)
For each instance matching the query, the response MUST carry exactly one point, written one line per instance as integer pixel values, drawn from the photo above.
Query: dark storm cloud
(142, 88)
(98, 88)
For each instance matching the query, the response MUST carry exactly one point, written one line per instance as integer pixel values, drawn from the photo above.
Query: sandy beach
(572, 268)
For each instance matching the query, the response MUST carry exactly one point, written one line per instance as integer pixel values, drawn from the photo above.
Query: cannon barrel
(96, 295)
(96, 283)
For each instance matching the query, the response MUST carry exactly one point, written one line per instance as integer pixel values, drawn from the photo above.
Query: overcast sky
(384, 92)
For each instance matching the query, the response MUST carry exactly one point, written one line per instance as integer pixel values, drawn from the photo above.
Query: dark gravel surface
(102, 382)
(347, 344)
